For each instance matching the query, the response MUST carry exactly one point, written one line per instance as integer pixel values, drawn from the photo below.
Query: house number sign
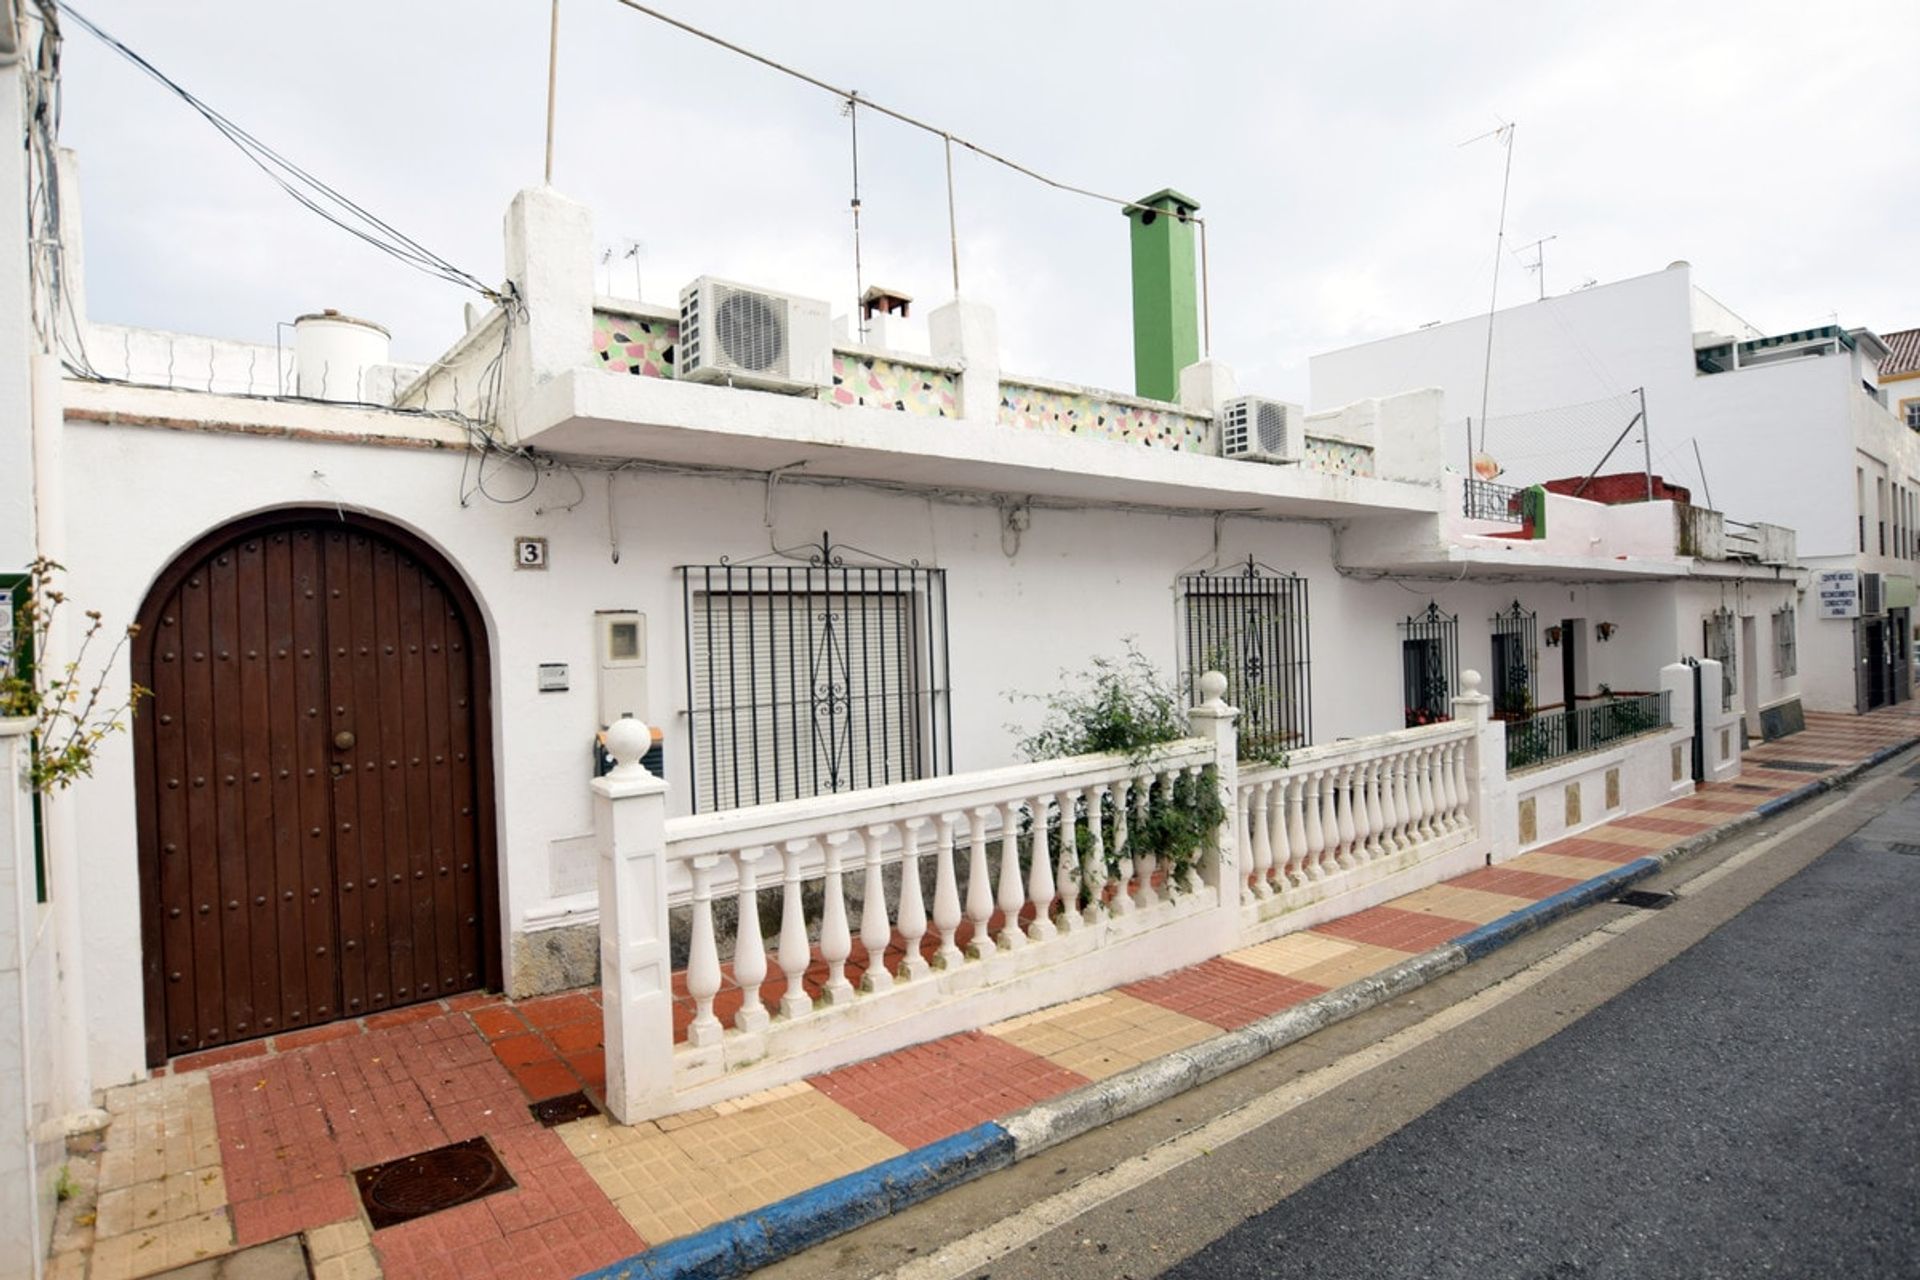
(529, 553)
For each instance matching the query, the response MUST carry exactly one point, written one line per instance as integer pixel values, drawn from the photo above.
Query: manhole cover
(568, 1106)
(414, 1186)
(1911, 850)
(1797, 766)
(1646, 899)
(1749, 786)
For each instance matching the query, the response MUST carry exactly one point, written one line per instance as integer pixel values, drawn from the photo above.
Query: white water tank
(332, 354)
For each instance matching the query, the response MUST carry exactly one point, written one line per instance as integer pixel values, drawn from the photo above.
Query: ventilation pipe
(333, 353)
(1166, 312)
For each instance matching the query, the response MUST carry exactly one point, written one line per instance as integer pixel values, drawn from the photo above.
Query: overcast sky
(1772, 145)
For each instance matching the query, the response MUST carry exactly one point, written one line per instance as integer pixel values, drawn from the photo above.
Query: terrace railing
(1485, 500)
(900, 913)
(1552, 735)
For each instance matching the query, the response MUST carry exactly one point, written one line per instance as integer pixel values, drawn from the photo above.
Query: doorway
(314, 781)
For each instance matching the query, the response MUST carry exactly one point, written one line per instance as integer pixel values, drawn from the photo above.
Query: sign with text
(1839, 592)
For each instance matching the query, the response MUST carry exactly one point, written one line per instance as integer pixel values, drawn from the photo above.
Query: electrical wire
(305, 189)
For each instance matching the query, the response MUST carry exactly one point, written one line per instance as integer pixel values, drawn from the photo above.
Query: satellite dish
(1485, 467)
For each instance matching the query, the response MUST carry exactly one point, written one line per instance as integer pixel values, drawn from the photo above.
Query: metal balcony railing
(1486, 500)
(1553, 734)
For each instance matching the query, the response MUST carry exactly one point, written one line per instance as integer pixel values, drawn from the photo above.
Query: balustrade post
(912, 916)
(796, 950)
(1484, 764)
(979, 886)
(1093, 868)
(1316, 834)
(1122, 850)
(1012, 895)
(1261, 841)
(1039, 872)
(876, 930)
(1224, 866)
(1146, 859)
(749, 947)
(1067, 863)
(946, 895)
(1376, 816)
(1343, 795)
(1296, 788)
(836, 944)
(703, 957)
(636, 970)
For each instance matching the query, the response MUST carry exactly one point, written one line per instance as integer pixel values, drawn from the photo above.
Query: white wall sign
(553, 677)
(529, 553)
(1839, 592)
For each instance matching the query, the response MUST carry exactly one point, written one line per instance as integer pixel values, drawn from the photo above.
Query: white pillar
(1488, 800)
(968, 332)
(1224, 867)
(636, 971)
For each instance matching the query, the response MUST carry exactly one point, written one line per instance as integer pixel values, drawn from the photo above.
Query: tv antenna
(1539, 264)
(1504, 135)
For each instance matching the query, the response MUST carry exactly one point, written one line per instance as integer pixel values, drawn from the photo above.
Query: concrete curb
(764, 1236)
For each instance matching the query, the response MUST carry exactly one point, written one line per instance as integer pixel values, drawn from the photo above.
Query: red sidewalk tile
(1412, 931)
(215, 1057)
(934, 1090)
(494, 1023)
(1666, 826)
(554, 1011)
(1225, 993)
(1517, 884)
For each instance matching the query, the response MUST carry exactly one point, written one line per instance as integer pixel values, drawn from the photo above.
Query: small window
(1513, 660)
(1250, 624)
(1912, 412)
(1429, 648)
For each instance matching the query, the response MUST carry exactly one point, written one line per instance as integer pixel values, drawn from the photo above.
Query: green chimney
(1166, 313)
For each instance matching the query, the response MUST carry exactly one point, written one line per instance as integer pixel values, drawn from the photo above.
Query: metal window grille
(1250, 624)
(1515, 652)
(1429, 656)
(1718, 643)
(1786, 659)
(814, 677)
(1485, 500)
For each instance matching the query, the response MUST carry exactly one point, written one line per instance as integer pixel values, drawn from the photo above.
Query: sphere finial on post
(627, 740)
(1470, 682)
(1213, 688)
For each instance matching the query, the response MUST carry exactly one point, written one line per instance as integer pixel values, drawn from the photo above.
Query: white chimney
(333, 353)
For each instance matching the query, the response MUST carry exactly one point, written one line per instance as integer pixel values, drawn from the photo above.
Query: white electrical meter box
(622, 645)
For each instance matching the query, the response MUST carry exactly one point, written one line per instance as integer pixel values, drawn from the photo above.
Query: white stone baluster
(1093, 868)
(876, 930)
(1462, 799)
(1393, 799)
(836, 944)
(946, 896)
(1316, 835)
(1362, 831)
(1443, 788)
(1423, 781)
(1330, 824)
(703, 957)
(796, 952)
(1255, 799)
(749, 947)
(911, 918)
(1067, 863)
(1012, 895)
(1122, 851)
(1343, 795)
(1297, 871)
(979, 886)
(1376, 816)
(1278, 875)
(1145, 859)
(1194, 883)
(1039, 872)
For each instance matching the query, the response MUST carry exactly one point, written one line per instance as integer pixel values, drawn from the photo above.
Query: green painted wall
(1166, 311)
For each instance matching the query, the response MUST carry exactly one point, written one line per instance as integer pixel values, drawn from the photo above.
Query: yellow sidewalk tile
(1362, 960)
(1293, 954)
(1553, 864)
(1105, 1035)
(1632, 837)
(1476, 905)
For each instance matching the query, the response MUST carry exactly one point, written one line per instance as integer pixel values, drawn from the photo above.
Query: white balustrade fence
(916, 910)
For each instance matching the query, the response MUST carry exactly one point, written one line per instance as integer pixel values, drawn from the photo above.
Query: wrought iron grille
(1515, 652)
(1554, 734)
(815, 676)
(1250, 624)
(1429, 655)
(1718, 643)
(1786, 658)
(1485, 500)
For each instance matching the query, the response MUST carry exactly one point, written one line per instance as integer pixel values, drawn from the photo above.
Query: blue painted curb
(779, 1230)
(1496, 934)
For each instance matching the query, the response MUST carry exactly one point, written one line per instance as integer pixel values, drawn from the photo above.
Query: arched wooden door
(314, 782)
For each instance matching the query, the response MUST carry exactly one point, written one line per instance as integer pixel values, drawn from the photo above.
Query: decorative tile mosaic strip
(1337, 457)
(878, 383)
(1070, 413)
(634, 344)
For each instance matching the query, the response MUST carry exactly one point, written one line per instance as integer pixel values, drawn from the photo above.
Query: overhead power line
(310, 192)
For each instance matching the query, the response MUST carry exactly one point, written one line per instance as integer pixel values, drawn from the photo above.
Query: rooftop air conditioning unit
(1259, 430)
(748, 337)
(1872, 602)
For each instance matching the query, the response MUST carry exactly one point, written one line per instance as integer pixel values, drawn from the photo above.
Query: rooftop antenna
(1539, 264)
(553, 76)
(851, 110)
(634, 249)
(1504, 135)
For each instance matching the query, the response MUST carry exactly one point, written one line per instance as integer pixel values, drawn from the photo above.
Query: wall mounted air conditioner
(747, 337)
(1872, 601)
(1261, 430)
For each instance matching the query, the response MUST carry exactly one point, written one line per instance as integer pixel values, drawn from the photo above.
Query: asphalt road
(1751, 1107)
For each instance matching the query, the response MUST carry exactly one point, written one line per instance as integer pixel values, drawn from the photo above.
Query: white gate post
(1487, 798)
(636, 970)
(1223, 867)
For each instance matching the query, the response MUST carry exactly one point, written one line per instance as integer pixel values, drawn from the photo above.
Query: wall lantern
(1553, 637)
(1603, 631)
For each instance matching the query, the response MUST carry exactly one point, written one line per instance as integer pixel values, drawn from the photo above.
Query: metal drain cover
(1896, 846)
(568, 1106)
(414, 1186)
(1646, 899)
(1796, 766)
(1749, 786)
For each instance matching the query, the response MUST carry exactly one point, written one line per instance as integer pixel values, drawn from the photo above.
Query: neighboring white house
(1792, 428)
